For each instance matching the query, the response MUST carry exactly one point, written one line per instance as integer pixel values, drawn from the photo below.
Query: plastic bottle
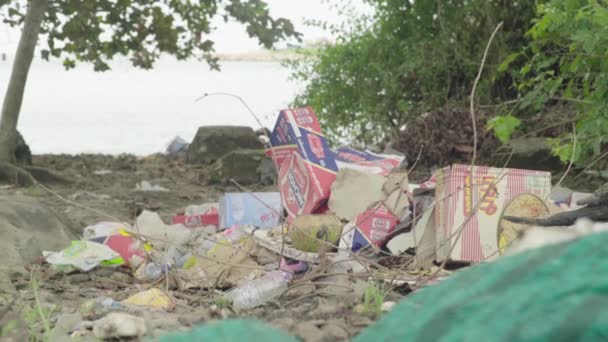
(259, 291)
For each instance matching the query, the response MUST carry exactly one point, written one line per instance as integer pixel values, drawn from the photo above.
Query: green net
(556, 293)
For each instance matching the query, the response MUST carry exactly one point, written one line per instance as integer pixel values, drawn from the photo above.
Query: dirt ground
(315, 310)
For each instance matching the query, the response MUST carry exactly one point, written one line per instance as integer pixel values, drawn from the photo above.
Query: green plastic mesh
(556, 293)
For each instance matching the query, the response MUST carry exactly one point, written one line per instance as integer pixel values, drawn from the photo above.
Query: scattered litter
(387, 306)
(153, 298)
(78, 195)
(293, 266)
(261, 209)
(354, 191)
(577, 196)
(312, 233)
(177, 145)
(271, 240)
(151, 226)
(227, 264)
(132, 250)
(119, 325)
(458, 195)
(83, 256)
(102, 172)
(401, 243)
(371, 228)
(198, 216)
(148, 187)
(259, 291)
(523, 205)
(104, 229)
(306, 164)
(367, 161)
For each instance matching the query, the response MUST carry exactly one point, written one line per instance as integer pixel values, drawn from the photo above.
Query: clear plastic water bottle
(259, 291)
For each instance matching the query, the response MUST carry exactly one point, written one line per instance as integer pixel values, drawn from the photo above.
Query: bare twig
(571, 157)
(483, 62)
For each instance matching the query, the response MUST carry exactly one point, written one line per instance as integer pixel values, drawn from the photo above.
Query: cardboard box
(366, 161)
(260, 209)
(458, 194)
(372, 227)
(210, 217)
(306, 165)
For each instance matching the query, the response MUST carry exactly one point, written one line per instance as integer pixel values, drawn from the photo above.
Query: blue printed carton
(260, 209)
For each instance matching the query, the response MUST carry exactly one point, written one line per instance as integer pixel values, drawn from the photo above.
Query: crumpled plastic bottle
(259, 291)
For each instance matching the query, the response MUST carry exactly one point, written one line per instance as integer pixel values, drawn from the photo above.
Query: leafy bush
(565, 60)
(407, 58)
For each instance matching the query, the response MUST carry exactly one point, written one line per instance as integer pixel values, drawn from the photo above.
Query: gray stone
(335, 332)
(28, 227)
(533, 154)
(309, 332)
(268, 172)
(213, 142)
(240, 165)
(23, 155)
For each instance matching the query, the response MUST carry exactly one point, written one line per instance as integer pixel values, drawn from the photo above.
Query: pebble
(309, 332)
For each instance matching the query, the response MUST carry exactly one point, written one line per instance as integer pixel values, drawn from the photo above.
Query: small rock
(213, 142)
(301, 290)
(66, 323)
(194, 318)
(78, 278)
(102, 172)
(284, 323)
(387, 306)
(267, 171)
(241, 165)
(23, 155)
(148, 187)
(335, 332)
(309, 332)
(121, 277)
(117, 325)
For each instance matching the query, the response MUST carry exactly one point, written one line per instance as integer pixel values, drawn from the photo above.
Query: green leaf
(504, 126)
(507, 62)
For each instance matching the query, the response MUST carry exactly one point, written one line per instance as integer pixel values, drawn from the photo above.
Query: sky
(231, 37)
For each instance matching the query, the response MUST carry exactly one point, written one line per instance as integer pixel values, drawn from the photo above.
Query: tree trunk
(16, 85)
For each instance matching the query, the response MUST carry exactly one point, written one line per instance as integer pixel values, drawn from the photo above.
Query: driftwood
(596, 210)
(568, 218)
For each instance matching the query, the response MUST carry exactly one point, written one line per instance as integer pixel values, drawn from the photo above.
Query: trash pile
(340, 210)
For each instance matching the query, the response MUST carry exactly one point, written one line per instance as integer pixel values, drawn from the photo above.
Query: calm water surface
(127, 110)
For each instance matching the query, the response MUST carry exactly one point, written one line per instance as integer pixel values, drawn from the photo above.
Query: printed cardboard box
(366, 161)
(370, 228)
(305, 163)
(260, 209)
(458, 195)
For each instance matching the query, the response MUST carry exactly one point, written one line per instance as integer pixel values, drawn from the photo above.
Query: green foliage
(407, 58)
(97, 30)
(565, 60)
(504, 126)
(373, 300)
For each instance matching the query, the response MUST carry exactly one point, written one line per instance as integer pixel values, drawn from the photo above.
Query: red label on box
(210, 218)
(372, 227)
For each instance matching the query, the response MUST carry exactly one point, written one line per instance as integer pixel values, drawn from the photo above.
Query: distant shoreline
(265, 56)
